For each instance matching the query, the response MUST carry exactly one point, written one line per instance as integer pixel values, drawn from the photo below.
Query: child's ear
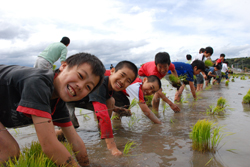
(112, 71)
(145, 79)
(195, 68)
(63, 66)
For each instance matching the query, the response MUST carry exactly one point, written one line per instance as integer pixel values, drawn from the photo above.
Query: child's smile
(73, 84)
(121, 79)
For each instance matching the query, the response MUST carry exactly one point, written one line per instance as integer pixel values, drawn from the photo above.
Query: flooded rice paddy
(169, 144)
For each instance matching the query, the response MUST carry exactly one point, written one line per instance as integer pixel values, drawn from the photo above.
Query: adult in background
(52, 53)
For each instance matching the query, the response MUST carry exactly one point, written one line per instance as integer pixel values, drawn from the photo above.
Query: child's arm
(204, 75)
(50, 144)
(173, 106)
(78, 145)
(149, 113)
(102, 115)
(174, 72)
(192, 88)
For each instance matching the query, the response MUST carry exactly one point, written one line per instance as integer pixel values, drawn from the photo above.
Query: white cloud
(116, 29)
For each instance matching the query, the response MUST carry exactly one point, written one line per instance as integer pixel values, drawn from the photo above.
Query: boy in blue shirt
(187, 71)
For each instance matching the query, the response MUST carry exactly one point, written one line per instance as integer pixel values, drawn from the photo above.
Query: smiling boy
(137, 90)
(36, 96)
(102, 103)
(159, 68)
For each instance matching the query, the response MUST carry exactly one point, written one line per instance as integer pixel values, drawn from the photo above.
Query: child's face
(73, 84)
(149, 88)
(206, 54)
(162, 68)
(196, 71)
(120, 79)
(222, 58)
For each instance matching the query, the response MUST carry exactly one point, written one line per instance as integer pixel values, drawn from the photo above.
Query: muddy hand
(122, 111)
(175, 108)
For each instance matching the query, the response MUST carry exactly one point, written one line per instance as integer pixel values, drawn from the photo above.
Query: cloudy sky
(116, 30)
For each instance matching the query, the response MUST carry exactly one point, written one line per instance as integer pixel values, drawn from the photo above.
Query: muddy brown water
(169, 144)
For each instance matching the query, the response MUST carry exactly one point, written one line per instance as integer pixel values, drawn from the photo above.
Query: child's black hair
(65, 41)
(199, 64)
(153, 78)
(189, 57)
(222, 55)
(218, 66)
(209, 49)
(129, 65)
(162, 58)
(202, 50)
(98, 68)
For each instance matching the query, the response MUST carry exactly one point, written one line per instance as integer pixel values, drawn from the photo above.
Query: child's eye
(89, 88)
(80, 75)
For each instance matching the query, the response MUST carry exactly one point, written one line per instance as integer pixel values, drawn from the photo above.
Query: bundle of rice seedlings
(208, 63)
(148, 99)
(232, 80)
(246, 98)
(175, 81)
(206, 136)
(226, 83)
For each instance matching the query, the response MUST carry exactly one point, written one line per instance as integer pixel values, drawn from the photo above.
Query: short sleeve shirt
(184, 70)
(150, 68)
(134, 90)
(101, 94)
(27, 91)
(199, 57)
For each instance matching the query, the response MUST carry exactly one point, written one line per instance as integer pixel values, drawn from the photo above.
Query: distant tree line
(240, 62)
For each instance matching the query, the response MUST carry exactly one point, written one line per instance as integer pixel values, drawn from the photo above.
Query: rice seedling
(208, 63)
(128, 147)
(148, 99)
(232, 80)
(164, 108)
(248, 77)
(226, 83)
(133, 119)
(246, 98)
(34, 156)
(133, 103)
(115, 117)
(219, 109)
(206, 136)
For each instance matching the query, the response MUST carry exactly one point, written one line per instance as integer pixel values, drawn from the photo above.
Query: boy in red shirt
(159, 68)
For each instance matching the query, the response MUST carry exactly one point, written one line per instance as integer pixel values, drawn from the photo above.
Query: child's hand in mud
(175, 108)
(122, 111)
(116, 152)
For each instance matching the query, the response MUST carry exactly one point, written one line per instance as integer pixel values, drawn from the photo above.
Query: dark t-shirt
(26, 91)
(101, 94)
